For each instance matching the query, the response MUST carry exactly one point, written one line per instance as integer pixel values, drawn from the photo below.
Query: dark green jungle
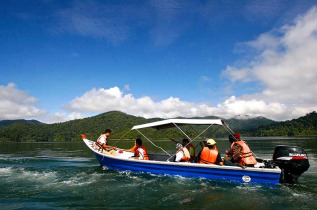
(120, 124)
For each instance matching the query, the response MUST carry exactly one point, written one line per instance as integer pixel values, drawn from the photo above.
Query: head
(138, 142)
(237, 135)
(205, 143)
(107, 132)
(233, 138)
(211, 143)
(185, 141)
(179, 146)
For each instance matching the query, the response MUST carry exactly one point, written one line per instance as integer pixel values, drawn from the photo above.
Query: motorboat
(287, 164)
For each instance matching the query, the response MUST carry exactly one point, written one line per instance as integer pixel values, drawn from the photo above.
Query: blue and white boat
(270, 171)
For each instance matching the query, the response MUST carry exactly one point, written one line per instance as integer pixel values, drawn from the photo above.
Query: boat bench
(160, 157)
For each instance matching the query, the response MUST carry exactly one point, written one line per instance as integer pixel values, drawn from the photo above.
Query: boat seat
(158, 157)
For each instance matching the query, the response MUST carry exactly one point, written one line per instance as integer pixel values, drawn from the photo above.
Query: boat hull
(216, 172)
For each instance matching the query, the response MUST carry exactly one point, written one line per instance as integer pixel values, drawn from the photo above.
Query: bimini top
(163, 124)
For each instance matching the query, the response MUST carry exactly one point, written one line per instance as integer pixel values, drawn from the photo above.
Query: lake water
(67, 175)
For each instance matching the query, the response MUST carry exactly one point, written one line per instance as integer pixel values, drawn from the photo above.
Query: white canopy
(163, 124)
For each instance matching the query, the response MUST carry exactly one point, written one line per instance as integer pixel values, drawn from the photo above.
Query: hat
(237, 135)
(178, 146)
(211, 142)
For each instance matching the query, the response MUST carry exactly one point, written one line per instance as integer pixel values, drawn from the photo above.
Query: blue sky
(64, 60)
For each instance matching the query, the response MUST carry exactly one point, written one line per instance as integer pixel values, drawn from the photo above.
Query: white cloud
(283, 62)
(62, 117)
(17, 104)
(127, 87)
(104, 100)
(91, 19)
(205, 79)
(286, 66)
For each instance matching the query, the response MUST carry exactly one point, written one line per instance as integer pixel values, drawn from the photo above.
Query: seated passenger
(240, 152)
(182, 154)
(190, 147)
(102, 141)
(140, 151)
(210, 154)
(130, 150)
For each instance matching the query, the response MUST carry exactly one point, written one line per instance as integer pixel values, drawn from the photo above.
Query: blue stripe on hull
(188, 171)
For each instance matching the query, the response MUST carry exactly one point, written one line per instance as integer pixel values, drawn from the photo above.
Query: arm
(236, 150)
(141, 153)
(173, 140)
(219, 160)
(179, 156)
(109, 147)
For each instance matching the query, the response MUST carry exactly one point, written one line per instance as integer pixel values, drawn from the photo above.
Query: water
(66, 175)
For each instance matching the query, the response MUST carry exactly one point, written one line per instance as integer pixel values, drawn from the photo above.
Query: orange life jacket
(246, 156)
(208, 156)
(192, 156)
(186, 156)
(137, 152)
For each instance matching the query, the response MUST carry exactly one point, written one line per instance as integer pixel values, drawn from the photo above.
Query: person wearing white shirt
(102, 141)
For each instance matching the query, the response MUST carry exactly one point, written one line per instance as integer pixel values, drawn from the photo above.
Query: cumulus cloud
(63, 117)
(285, 64)
(103, 100)
(205, 79)
(17, 104)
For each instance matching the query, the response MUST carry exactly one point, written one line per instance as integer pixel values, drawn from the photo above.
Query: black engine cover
(292, 160)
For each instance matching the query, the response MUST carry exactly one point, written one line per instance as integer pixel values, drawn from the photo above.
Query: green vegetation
(303, 126)
(120, 123)
(5, 123)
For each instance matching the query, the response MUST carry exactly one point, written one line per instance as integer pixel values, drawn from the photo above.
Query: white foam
(5, 171)
(81, 179)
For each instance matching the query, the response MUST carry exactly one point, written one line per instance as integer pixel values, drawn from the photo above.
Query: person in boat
(102, 141)
(190, 147)
(240, 152)
(182, 154)
(203, 144)
(140, 151)
(210, 154)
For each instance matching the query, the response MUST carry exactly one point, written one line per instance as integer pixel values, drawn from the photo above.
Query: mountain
(5, 123)
(303, 126)
(121, 123)
(92, 127)
(248, 124)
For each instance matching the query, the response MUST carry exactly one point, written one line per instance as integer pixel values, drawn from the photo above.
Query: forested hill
(5, 123)
(120, 123)
(303, 126)
(92, 127)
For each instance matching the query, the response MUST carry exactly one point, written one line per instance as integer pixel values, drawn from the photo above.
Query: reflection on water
(63, 175)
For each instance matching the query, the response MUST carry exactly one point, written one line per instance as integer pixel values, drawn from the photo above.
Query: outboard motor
(292, 160)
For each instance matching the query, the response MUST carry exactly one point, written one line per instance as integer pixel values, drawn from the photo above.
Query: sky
(66, 60)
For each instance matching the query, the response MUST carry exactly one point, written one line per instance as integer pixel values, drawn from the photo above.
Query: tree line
(121, 123)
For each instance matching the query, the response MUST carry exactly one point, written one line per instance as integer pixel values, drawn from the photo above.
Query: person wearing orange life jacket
(190, 147)
(240, 152)
(182, 154)
(210, 154)
(140, 151)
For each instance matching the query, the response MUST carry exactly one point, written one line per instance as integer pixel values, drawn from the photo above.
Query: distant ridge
(4, 123)
(120, 123)
(303, 126)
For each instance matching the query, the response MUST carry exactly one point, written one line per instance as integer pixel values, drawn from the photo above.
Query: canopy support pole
(121, 137)
(191, 140)
(152, 142)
